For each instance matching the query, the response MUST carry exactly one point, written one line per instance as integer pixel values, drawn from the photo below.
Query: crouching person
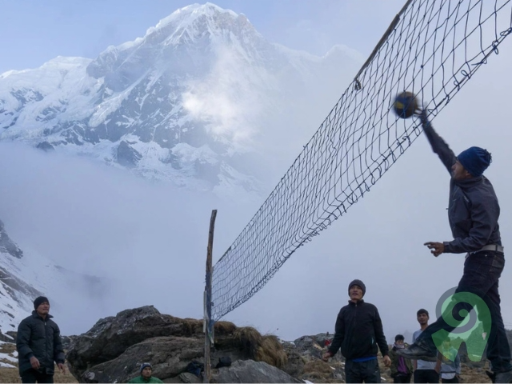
(146, 372)
(359, 334)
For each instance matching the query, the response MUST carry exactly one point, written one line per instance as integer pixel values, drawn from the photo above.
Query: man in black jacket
(39, 345)
(358, 332)
(473, 213)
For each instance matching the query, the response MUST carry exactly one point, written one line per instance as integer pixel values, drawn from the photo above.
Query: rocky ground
(113, 349)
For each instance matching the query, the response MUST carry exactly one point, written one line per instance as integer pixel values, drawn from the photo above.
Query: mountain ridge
(185, 102)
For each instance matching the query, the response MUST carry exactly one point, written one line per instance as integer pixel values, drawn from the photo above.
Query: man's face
(459, 172)
(43, 309)
(356, 293)
(146, 372)
(423, 318)
(399, 342)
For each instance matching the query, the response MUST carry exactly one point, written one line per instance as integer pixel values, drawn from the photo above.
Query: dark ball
(405, 104)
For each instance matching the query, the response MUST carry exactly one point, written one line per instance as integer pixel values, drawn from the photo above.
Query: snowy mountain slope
(24, 277)
(185, 102)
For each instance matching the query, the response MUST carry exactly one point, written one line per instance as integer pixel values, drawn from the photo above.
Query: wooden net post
(208, 322)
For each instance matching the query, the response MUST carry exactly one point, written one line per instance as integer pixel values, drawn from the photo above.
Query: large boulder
(169, 357)
(111, 336)
(250, 371)
(113, 349)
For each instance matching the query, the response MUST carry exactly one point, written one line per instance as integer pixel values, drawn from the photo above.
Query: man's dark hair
(420, 311)
(399, 337)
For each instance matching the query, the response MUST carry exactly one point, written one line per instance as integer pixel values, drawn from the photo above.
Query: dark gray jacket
(39, 338)
(473, 209)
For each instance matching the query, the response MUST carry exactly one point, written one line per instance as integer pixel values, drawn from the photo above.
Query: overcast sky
(35, 32)
(160, 236)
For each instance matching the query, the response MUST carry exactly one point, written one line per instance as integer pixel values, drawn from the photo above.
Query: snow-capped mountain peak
(184, 102)
(196, 18)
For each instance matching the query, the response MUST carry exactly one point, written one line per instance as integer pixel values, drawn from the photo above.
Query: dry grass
(472, 375)
(11, 375)
(271, 352)
(248, 337)
(317, 366)
(192, 326)
(261, 348)
(195, 327)
(318, 371)
(8, 348)
(223, 328)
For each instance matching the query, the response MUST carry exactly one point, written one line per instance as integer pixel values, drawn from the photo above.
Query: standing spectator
(401, 368)
(424, 371)
(38, 344)
(359, 334)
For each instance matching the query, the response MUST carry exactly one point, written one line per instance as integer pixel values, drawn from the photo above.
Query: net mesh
(432, 48)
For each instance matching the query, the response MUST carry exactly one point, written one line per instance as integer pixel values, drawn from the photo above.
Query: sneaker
(416, 352)
(502, 377)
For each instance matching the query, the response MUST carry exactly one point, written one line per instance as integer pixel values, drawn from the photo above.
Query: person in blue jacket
(473, 213)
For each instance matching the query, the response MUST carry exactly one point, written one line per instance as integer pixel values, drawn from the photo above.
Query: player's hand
(421, 112)
(435, 248)
(326, 356)
(62, 367)
(387, 361)
(34, 363)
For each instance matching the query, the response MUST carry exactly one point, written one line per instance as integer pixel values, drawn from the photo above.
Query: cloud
(306, 34)
(146, 240)
(227, 99)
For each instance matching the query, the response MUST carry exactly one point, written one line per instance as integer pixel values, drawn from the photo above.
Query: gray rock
(7, 245)
(45, 146)
(187, 377)
(169, 357)
(7, 338)
(110, 337)
(127, 156)
(250, 371)
(295, 363)
(67, 341)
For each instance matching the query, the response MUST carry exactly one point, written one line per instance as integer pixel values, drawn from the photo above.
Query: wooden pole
(208, 302)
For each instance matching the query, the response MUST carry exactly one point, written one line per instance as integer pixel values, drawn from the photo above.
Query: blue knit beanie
(145, 365)
(475, 160)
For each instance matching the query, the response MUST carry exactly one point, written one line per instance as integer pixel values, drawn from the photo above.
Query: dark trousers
(482, 271)
(32, 376)
(402, 378)
(363, 372)
(454, 380)
(426, 376)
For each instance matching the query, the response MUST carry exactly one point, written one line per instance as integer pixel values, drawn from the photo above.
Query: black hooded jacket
(358, 332)
(473, 208)
(40, 338)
